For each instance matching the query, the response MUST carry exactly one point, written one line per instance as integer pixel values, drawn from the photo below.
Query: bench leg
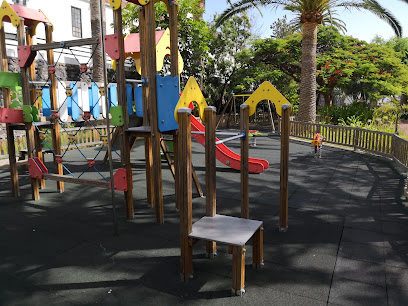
(257, 249)
(211, 249)
(238, 270)
(186, 259)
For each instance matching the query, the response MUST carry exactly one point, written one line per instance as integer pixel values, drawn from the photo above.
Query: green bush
(357, 111)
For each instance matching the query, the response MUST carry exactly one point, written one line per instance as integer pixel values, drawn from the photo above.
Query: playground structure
(317, 142)
(164, 113)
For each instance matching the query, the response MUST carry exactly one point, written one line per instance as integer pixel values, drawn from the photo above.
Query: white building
(71, 20)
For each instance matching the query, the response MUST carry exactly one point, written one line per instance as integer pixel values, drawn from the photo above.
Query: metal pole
(105, 84)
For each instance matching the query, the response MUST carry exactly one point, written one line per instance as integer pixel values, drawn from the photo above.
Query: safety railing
(380, 143)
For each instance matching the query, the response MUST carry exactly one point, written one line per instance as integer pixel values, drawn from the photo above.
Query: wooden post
(35, 190)
(157, 174)
(55, 132)
(174, 70)
(10, 135)
(124, 139)
(356, 135)
(210, 171)
(244, 114)
(238, 269)
(174, 67)
(284, 169)
(257, 249)
(33, 97)
(144, 53)
(185, 196)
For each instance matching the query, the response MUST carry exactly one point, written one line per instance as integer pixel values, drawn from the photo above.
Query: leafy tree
(224, 63)
(281, 28)
(193, 32)
(365, 70)
(311, 13)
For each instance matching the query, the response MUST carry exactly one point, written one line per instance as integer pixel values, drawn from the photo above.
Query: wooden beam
(284, 168)
(35, 190)
(257, 248)
(74, 180)
(244, 161)
(11, 150)
(66, 44)
(55, 131)
(185, 196)
(124, 140)
(33, 97)
(174, 67)
(144, 53)
(152, 101)
(210, 171)
(238, 270)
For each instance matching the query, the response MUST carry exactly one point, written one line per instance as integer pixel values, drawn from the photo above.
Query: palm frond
(377, 9)
(244, 5)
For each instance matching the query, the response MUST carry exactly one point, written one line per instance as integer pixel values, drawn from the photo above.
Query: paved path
(347, 241)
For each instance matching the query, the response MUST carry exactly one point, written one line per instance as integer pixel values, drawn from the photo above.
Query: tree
(97, 58)
(360, 69)
(225, 45)
(311, 13)
(281, 28)
(193, 33)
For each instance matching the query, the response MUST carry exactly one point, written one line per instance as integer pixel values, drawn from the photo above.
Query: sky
(360, 24)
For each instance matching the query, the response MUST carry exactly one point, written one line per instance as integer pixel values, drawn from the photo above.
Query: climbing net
(81, 99)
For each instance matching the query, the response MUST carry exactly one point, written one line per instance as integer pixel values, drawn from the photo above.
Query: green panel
(117, 115)
(10, 79)
(28, 117)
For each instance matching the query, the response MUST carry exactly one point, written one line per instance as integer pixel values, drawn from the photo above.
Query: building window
(76, 22)
(20, 2)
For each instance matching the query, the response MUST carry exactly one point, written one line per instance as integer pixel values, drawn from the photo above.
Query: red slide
(225, 155)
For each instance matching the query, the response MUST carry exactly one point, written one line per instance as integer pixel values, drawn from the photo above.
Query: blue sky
(360, 24)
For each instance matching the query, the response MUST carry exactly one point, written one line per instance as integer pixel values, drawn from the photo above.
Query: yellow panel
(163, 49)
(115, 4)
(191, 93)
(266, 92)
(7, 10)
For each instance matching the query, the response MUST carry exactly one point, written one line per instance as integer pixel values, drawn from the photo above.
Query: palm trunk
(97, 59)
(307, 101)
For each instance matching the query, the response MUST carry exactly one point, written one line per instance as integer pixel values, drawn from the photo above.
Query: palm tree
(311, 13)
(97, 59)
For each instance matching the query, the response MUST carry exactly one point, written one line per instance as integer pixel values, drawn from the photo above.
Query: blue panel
(46, 101)
(138, 101)
(129, 99)
(113, 95)
(94, 100)
(167, 90)
(74, 102)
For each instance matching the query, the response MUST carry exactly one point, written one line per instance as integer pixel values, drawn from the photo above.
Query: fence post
(356, 134)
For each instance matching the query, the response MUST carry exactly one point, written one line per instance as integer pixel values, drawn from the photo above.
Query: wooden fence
(85, 136)
(380, 143)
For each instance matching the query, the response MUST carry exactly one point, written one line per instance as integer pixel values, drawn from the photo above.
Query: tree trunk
(307, 101)
(403, 99)
(97, 59)
(328, 98)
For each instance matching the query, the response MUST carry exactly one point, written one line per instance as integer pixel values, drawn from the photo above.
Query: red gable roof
(132, 41)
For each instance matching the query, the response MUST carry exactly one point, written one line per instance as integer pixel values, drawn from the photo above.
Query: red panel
(132, 42)
(29, 14)
(25, 56)
(120, 180)
(112, 46)
(8, 115)
(36, 168)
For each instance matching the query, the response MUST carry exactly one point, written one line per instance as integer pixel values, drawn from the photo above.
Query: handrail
(376, 142)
